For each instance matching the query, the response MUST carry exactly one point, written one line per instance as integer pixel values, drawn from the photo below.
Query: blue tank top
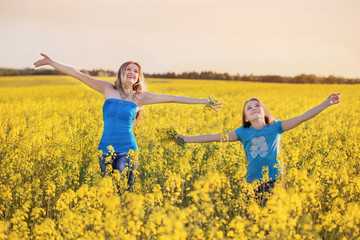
(119, 116)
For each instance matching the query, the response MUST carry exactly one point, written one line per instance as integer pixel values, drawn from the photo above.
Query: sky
(259, 37)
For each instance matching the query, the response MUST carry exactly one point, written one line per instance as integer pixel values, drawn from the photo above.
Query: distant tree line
(27, 71)
(32, 71)
(302, 78)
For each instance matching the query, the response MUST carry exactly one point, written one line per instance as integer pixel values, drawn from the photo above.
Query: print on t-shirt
(258, 147)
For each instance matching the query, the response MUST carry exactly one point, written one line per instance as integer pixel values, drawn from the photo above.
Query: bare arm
(147, 98)
(296, 121)
(96, 84)
(229, 137)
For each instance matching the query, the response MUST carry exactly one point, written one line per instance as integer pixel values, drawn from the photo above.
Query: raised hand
(42, 62)
(296, 121)
(333, 99)
(213, 103)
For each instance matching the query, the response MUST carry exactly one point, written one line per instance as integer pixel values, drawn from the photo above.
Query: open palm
(42, 62)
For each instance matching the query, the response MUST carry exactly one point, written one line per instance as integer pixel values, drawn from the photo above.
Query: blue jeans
(119, 161)
(263, 191)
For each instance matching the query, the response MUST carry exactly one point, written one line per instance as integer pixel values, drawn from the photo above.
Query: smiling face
(254, 110)
(131, 74)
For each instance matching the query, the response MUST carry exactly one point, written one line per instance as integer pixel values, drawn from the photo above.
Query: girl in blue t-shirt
(260, 136)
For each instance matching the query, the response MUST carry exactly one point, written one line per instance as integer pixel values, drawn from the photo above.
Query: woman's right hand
(98, 85)
(43, 62)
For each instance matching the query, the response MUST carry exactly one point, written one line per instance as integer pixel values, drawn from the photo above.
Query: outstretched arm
(96, 84)
(229, 137)
(296, 121)
(147, 98)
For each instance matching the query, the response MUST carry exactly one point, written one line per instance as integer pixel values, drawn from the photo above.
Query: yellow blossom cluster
(51, 186)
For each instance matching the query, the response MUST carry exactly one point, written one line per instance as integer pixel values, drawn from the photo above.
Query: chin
(131, 81)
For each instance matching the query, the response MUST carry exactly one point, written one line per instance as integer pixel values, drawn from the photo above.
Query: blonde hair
(269, 119)
(138, 87)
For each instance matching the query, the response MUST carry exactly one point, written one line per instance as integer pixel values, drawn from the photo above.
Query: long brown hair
(269, 119)
(138, 87)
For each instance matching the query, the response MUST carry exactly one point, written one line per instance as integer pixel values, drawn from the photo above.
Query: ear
(246, 119)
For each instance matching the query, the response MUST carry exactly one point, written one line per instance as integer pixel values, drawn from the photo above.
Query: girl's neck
(258, 124)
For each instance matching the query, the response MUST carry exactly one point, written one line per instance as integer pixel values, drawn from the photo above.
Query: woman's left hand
(214, 104)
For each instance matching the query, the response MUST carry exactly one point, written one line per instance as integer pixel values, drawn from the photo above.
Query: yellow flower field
(51, 187)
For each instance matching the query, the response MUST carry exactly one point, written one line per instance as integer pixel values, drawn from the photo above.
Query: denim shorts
(119, 161)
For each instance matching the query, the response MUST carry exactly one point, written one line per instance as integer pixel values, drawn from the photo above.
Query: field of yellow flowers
(51, 187)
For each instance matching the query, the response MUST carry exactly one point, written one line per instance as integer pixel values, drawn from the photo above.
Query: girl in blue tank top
(123, 102)
(260, 136)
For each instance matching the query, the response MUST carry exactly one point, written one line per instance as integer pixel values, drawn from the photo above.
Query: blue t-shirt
(119, 116)
(261, 148)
